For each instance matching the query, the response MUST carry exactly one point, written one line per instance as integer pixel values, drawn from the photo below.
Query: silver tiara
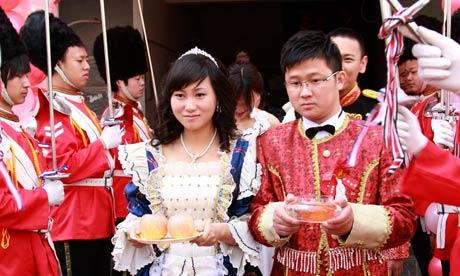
(198, 51)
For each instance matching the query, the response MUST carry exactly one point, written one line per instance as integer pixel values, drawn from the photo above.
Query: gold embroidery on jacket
(5, 243)
(274, 171)
(355, 115)
(389, 228)
(362, 184)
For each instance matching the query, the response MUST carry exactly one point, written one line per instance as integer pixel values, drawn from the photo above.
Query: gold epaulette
(371, 93)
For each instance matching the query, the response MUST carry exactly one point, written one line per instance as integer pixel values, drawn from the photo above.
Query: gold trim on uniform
(274, 171)
(5, 243)
(327, 138)
(367, 172)
(265, 225)
(338, 258)
(369, 235)
(369, 93)
(355, 115)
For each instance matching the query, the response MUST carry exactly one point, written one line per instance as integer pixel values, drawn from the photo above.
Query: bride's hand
(134, 231)
(210, 235)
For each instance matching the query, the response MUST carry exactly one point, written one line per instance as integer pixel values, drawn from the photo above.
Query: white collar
(335, 120)
(75, 98)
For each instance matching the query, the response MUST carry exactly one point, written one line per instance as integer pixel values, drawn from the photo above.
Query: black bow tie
(312, 131)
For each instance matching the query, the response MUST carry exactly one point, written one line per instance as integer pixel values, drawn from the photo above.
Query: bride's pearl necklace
(195, 157)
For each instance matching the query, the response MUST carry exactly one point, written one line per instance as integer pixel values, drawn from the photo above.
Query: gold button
(326, 153)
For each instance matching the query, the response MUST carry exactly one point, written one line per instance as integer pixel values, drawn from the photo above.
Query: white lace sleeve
(125, 256)
(133, 159)
(290, 113)
(251, 172)
(247, 249)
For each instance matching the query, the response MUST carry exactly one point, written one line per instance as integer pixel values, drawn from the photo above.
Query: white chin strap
(424, 85)
(5, 96)
(64, 77)
(125, 92)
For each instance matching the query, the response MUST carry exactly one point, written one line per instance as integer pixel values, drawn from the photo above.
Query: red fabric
(28, 252)
(127, 111)
(351, 96)
(425, 124)
(276, 149)
(121, 203)
(455, 256)
(433, 175)
(34, 214)
(419, 110)
(451, 235)
(86, 212)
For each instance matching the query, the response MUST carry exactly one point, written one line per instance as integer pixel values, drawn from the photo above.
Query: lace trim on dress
(225, 185)
(251, 171)
(134, 161)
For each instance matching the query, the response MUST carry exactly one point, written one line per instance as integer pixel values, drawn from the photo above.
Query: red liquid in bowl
(315, 212)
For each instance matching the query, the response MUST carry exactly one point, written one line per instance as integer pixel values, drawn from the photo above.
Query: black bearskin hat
(126, 54)
(11, 45)
(33, 35)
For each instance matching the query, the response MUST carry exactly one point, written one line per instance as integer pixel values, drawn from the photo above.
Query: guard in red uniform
(354, 62)
(84, 223)
(127, 67)
(25, 244)
(434, 173)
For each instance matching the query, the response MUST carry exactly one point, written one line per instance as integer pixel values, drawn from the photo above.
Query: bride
(192, 166)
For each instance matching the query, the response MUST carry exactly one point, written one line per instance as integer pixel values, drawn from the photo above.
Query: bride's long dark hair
(189, 69)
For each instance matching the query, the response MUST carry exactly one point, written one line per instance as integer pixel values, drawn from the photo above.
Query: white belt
(91, 182)
(448, 209)
(444, 210)
(191, 250)
(47, 230)
(119, 173)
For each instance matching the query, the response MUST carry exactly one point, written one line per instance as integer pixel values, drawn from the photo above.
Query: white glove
(444, 133)
(111, 136)
(438, 62)
(409, 132)
(55, 191)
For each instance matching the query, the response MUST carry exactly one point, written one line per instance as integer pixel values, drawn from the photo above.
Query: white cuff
(365, 234)
(126, 257)
(247, 249)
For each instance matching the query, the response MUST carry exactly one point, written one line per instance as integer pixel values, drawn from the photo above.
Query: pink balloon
(16, 19)
(435, 267)
(8, 5)
(36, 76)
(26, 7)
(455, 5)
(431, 218)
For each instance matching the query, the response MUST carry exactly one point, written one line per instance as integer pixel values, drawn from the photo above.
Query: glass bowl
(311, 210)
